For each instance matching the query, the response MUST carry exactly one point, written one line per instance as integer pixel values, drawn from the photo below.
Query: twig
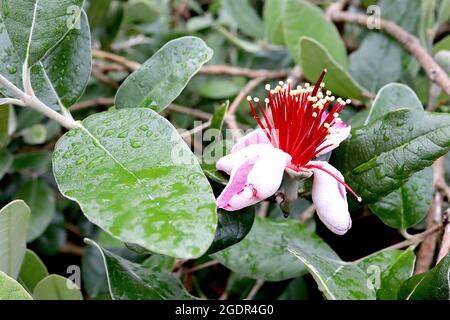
(295, 75)
(308, 214)
(202, 266)
(191, 112)
(445, 244)
(99, 75)
(417, 238)
(335, 7)
(71, 248)
(97, 102)
(263, 209)
(410, 42)
(196, 129)
(255, 289)
(130, 65)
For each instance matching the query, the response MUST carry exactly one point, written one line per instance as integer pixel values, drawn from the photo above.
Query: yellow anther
(268, 87)
(256, 100)
(249, 98)
(266, 100)
(348, 101)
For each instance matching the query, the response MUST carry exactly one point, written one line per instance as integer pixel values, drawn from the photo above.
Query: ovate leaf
(10, 289)
(134, 176)
(303, 19)
(263, 253)
(314, 57)
(6, 160)
(36, 26)
(431, 285)
(55, 287)
(219, 116)
(387, 152)
(273, 21)
(162, 78)
(245, 17)
(13, 231)
(130, 281)
(338, 280)
(32, 271)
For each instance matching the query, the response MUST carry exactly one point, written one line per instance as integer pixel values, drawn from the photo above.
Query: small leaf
(219, 116)
(32, 271)
(135, 177)
(314, 57)
(11, 66)
(273, 21)
(164, 76)
(390, 150)
(34, 135)
(338, 280)
(130, 281)
(14, 219)
(55, 287)
(41, 200)
(10, 289)
(245, 17)
(6, 160)
(34, 161)
(4, 125)
(303, 19)
(232, 228)
(431, 285)
(263, 253)
(36, 26)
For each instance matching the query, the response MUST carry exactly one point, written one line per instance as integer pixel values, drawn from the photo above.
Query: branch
(445, 244)
(410, 42)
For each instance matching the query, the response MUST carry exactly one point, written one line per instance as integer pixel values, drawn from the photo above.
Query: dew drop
(135, 144)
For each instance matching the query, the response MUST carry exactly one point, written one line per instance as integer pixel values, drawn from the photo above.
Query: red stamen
(337, 178)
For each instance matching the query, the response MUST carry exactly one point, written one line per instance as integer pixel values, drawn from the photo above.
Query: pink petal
(233, 159)
(255, 137)
(339, 132)
(254, 179)
(330, 199)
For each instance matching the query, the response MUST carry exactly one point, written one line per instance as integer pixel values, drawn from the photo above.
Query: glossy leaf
(10, 289)
(36, 161)
(4, 125)
(164, 76)
(263, 253)
(11, 68)
(219, 116)
(390, 150)
(273, 21)
(34, 135)
(408, 205)
(40, 198)
(338, 280)
(33, 270)
(314, 57)
(36, 26)
(6, 159)
(55, 287)
(245, 17)
(14, 219)
(129, 281)
(431, 285)
(134, 176)
(232, 228)
(303, 19)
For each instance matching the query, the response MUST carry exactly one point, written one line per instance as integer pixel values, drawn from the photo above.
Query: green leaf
(36, 26)
(60, 79)
(55, 287)
(11, 66)
(4, 125)
(6, 160)
(219, 88)
(338, 280)
(32, 271)
(130, 281)
(134, 176)
(273, 21)
(314, 57)
(303, 19)
(263, 253)
(431, 285)
(232, 228)
(391, 97)
(34, 135)
(14, 222)
(212, 173)
(219, 116)
(443, 44)
(164, 76)
(10, 289)
(245, 17)
(41, 200)
(365, 66)
(408, 205)
(387, 152)
(382, 259)
(34, 161)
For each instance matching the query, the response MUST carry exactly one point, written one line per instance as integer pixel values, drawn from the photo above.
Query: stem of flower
(25, 99)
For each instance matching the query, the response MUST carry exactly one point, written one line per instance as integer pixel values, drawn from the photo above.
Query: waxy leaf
(134, 176)
(431, 285)
(218, 117)
(232, 228)
(338, 280)
(245, 17)
(303, 19)
(130, 281)
(55, 287)
(263, 253)
(164, 76)
(10, 289)
(6, 160)
(314, 57)
(39, 197)
(273, 21)
(387, 152)
(33, 270)
(13, 230)
(36, 26)
(11, 68)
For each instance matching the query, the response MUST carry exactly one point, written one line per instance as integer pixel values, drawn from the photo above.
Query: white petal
(230, 161)
(255, 137)
(338, 134)
(254, 179)
(330, 199)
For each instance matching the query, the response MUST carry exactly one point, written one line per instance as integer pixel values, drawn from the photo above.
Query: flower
(294, 128)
